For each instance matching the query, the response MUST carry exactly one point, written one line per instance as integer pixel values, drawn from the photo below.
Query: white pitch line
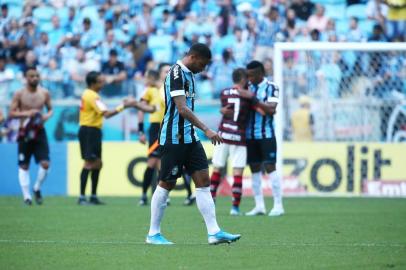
(274, 244)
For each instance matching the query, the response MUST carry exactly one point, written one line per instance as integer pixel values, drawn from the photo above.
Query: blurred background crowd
(123, 38)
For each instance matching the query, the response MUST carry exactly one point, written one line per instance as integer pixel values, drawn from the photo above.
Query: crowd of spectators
(66, 39)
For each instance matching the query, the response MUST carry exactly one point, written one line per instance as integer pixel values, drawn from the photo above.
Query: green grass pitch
(316, 233)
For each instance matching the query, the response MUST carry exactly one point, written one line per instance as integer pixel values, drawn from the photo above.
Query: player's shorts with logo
(261, 151)
(237, 154)
(90, 140)
(175, 157)
(153, 135)
(38, 147)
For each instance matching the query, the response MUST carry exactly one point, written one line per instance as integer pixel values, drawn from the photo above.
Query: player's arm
(15, 111)
(141, 133)
(268, 107)
(48, 105)
(185, 112)
(140, 105)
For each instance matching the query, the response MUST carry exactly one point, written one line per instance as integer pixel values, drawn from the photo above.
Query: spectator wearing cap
(30, 32)
(115, 74)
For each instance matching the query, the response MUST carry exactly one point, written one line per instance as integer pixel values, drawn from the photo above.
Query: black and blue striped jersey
(262, 126)
(175, 129)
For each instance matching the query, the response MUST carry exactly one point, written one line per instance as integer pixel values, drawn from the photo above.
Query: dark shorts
(175, 157)
(261, 151)
(38, 147)
(153, 134)
(90, 139)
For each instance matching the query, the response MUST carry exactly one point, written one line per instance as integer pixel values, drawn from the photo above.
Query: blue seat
(15, 11)
(342, 26)
(329, 2)
(366, 26)
(90, 12)
(357, 11)
(335, 11)
(43, 13)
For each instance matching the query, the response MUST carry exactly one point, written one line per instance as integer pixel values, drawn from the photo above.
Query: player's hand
(214, 137)
(227, 111)
(142, 138)
(245, 93)
(45, 117)
(32, 112)
(128, 102)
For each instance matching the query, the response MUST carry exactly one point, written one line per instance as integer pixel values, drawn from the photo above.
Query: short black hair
(91, 78)
(201, 50)
(28, 68)
(4, 7)
(151, 73)
(113, 52)
(256, 64)
(239, 74)
(162, 65)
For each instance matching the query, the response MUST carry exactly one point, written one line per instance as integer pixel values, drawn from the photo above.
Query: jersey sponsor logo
(229, 126)
(176, 72)
(230, 137)
(189, 95)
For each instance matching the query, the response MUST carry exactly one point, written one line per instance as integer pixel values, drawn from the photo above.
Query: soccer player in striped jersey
(232, 130)
(181, 147)
(261, 142)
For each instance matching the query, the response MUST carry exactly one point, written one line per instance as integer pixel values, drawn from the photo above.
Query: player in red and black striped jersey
(236, 111)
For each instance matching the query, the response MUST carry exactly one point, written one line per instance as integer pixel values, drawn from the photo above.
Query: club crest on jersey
(175, 170)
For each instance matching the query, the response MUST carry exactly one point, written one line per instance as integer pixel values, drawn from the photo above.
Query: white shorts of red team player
(237, 154)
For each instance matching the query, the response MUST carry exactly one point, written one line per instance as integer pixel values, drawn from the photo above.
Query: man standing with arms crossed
(261, 142)
(92, 111)
(27, 104)
(181, 147)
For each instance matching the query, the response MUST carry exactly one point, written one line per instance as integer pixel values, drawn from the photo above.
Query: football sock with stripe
(214, 183)
(237, 190)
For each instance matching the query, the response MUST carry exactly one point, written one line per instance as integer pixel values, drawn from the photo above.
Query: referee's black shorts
(261, 151)
(153, 134)
(90, 139)
(175, 157)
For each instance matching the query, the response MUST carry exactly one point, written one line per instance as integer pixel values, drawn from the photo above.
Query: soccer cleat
(223, 237)
(95, 201)
(37, 197)
(256, 212)
(143, 201)
(157, 239)
(235, 211)
(189, 200)
(276, 211)
(28, 202)
(82, 201)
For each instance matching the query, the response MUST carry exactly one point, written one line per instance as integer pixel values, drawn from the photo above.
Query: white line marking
(274, 244)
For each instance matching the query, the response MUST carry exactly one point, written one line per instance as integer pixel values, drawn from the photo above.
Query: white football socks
(205, 204)
(42, 173)
(276, 188)
(257, 189)
(158, 205)
(24, 179)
